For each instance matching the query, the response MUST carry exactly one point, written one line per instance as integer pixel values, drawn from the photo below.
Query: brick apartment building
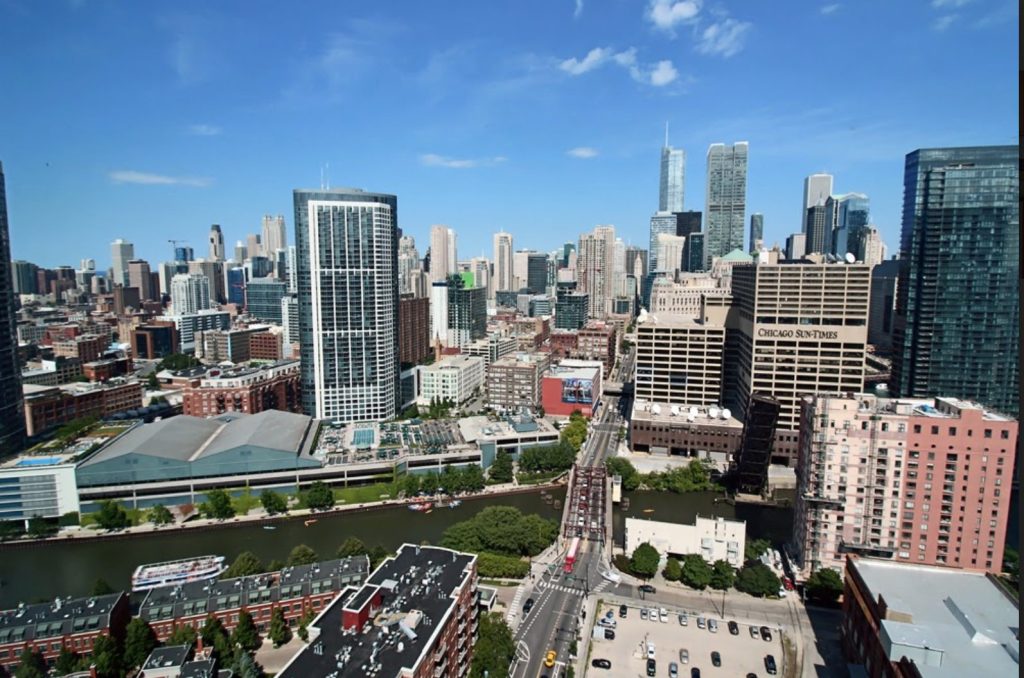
(513, 383)
(266, 346)
(87, 347)
(275, 386)
(596, 341)
(50, 406)
(413, 329)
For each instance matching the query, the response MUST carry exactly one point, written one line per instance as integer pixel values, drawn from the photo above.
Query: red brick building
(87, 347)
(245, 389)
(266, 346)
(156, 339)
(572, 385)
(48, 407)
(596, 341)
(106, 369)
(413, 329)
(563, 343)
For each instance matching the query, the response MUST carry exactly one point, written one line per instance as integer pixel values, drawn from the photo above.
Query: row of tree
(557, 457)
(502, 536)
(694, 477)
(754, 577)
(452, 479)
(575, 432)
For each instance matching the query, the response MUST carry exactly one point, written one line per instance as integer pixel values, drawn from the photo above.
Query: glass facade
(12, 415)
(347, 277)
(467, 312)
(263, 299)
(756, 228)
(661, 223)
(958, 317)
(726, 203)
(673, 174)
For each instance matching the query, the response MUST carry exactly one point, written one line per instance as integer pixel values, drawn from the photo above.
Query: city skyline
(455, 152)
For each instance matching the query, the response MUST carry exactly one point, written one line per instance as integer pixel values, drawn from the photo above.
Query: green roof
(739, 256)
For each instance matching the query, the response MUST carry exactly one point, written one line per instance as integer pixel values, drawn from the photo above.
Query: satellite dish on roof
(850, 259)
(726, 413)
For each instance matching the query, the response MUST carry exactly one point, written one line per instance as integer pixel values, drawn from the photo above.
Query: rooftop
(683, 414)
(576, 369)
(475, 429)
(961, 621)
(203, 597)
(417, 588)
(167, 656)
(59, 618)
(457, 361)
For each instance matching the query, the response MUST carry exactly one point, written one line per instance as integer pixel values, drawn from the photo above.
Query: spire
(666, 134)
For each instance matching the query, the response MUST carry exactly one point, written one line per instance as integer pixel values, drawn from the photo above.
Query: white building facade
(710, 538)
(454, 378)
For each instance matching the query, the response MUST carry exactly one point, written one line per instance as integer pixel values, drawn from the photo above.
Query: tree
(696, 572)
(279, 633)
(722, 575)
(502, 468)
(377, 555)
(353, 546)
(429, 483)
(112, 515)
(106, 655)
(308, 615)
(273, 503)
(275, 565)
(824, 585)
(177, 361)
(217, 505)
(644, 561)
(302, 555)
(245, 666)
(160, 515)
(139, 641)
(215, 635)
(245, 634)
(410, 484)
(68, 661)
(319, 496)
(246, 563)
(758, 580)
(673, 570)
(40, 527)
(494, 649)
(101, 588)
(617, 466)
(183, 634)
(473, 478)
(32, 665)
(754, 548)
(152, 383)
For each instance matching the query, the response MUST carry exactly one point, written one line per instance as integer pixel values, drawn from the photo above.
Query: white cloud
(203, 130)
(724, 38)
(579, 9)
(144, 178)
(943, 22)
(666, 14)
(435, 160)
(829, 9)
(584, 152)
(594, 58)
(664, 73)
(950, 3)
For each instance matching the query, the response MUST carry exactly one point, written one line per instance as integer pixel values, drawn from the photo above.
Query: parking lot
(740, 654)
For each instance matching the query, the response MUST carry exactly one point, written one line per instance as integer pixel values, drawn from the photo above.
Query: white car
(653, 614)
(663, 615)
(683, 619)
(650, 650)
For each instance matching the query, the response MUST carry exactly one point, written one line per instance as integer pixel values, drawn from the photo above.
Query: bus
(570, 557)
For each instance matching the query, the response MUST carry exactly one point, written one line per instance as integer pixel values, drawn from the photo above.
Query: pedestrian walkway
(513, 608)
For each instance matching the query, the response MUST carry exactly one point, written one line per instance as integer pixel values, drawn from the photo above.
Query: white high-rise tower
(816, 187)
(673, 174)
(503, 262)
(443, 259)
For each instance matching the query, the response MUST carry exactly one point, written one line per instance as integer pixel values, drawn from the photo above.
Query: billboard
(578, 391)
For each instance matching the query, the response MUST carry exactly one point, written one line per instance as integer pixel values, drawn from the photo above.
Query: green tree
(308, 615)
(68, 661)
(824, 585)
(722, 575)
(106, 655)
(302, 555)
(246, 564)
(673, 570)
(758, 580)
(501, 567)
(494, 649)
(177, 361)
(139, 641)
(644, 561)
(245, 666)
(216, 636)
(273, 503)
(279, 633)
(40, 527)
(217, 505)
(183, 634)
(275, 565)
(451, 480)
(160, 515)
(617, 466)
(473, 478)
(152, 383)
(319, 496)
(754, 548)
(502, 468)
(377, 555)
(101, 588)
(353, 546)
(410, 484)
(112, 515)
(429, 483)
(32, 665)
(245, 634)
(696, 572)
(69, 519)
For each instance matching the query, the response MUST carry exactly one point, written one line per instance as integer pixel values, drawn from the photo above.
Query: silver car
(673, 670)
(712, 626)
(684, 656)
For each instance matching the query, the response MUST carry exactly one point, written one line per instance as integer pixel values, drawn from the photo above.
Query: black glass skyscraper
(958, 317)
(12, 413)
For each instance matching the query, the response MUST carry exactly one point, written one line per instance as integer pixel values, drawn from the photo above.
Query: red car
(787, 583)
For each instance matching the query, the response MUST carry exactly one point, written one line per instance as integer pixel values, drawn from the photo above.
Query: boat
(428, 511)
(309, 522)
(455, 503)
(173, 572)
(648, 510)
(424, 506)
(270, 527)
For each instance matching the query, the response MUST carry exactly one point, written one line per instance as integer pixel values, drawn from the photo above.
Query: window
(1004, 434)
(917, 428)
(952, 430)
(988, 433)
(935, 430)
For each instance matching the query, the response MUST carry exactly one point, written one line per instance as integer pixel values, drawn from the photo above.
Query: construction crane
(174, 245)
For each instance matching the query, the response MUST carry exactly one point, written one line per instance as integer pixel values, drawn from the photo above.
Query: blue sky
(150, 121)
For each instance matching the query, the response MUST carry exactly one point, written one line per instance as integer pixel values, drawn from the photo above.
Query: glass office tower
(726, 203)
(12, 414)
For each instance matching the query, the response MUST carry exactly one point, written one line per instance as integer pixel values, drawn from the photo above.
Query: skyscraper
(958, 315)
(503, 262)
(849, 214)
(443, 260)
(673, 173)
(594, 270)
(12, 414)
(726, 203)
(190, 293)
(121, 252)
(408, 261)
(216, 243)
(139, 278)
(662, 223)
(819, 229)
(756, 229)
(275, 236)
(347, 261)
(872, 246)
(816, 187)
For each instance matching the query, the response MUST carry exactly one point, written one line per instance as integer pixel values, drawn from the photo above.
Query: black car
(734, 628)
(766, 634)
(601, 664)
(622, 611)
(751, 675)
(647, 588)
(769, 665)
(609, 634)
(694, 672)
(528, 605)
(716, 659)
(652, 668)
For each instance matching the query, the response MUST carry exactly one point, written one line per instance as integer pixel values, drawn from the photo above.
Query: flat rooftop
(681, 413)
(962, 616)
(475, 429)
(407, 597)
(575, 371)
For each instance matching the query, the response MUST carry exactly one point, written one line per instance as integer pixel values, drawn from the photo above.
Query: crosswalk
(561, 587)
(514, 607)
(602, 586)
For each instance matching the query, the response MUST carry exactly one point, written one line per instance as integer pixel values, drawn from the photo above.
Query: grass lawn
(365, 493)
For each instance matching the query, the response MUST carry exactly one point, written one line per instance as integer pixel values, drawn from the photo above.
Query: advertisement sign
(578, 391)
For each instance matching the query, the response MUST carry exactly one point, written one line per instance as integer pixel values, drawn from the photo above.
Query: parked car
(683, 619)
(647, 588)
(609, 634)
(601, 664)
(769, 665)
(663, 615)
(694, 672)
(527, 606)
(643, 613)
(712, 626)
(608, 622)
(684, 656)
(700, 623)
(650, 650)
(754, 634)
(734, 628)
(766, 634)
(653, 614)
(622, 611)
(673, 670)
(652, 668)
(716, 659)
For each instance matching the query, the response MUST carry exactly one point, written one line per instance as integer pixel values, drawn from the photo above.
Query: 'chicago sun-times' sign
(797, 334)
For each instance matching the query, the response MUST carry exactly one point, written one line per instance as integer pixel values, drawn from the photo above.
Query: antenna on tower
(328, 166)
(666, 134)
(321, 177)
